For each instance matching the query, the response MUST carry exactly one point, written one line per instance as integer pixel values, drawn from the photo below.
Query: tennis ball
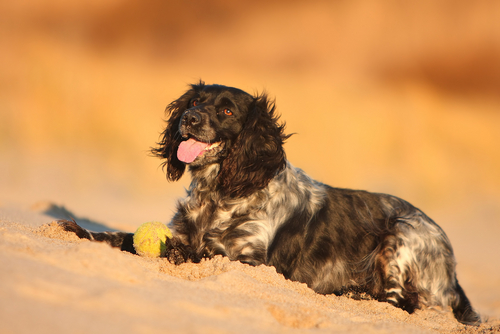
(150, 238)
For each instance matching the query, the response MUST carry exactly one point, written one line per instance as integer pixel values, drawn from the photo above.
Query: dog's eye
(227, 112)
(194, 103)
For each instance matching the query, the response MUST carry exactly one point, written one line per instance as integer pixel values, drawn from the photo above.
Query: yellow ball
(150, 238)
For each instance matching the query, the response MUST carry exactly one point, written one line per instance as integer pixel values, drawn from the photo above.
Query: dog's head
(214, 124)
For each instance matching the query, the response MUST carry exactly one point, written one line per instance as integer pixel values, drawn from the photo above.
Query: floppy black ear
(170, 137)
(257, 154)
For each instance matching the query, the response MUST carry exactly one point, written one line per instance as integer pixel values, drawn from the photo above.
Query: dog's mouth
(191, 149)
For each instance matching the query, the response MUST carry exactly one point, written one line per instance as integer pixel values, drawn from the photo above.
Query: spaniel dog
(247, 202)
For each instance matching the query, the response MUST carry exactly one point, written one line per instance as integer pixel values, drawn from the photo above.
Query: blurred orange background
(396, 97)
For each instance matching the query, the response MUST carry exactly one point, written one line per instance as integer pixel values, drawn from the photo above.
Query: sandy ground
(52, 282)
(394, 97)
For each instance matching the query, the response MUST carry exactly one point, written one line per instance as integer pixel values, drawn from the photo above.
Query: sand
(393, 97)
(53, 282)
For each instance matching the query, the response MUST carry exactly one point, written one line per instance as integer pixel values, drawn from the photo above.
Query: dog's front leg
(176, 251)
(121, 240)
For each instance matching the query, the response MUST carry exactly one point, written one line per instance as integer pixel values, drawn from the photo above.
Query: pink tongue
(188, 150)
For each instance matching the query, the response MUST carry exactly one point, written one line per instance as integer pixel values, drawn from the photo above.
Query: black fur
(247, 202)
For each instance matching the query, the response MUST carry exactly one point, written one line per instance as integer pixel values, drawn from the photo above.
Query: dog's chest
(212, 217)
(231, 228)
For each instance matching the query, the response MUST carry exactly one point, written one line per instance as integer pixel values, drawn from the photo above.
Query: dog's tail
(462, 308)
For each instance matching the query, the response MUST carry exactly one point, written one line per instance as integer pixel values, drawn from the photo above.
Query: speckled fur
(247, 202)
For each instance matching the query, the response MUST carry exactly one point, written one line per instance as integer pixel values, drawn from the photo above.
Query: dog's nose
(191, 118)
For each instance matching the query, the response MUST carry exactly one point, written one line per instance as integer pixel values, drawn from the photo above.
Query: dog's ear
(257, 154)
(170, 137)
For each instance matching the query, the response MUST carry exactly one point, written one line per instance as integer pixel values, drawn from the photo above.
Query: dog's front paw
(72, 226)
(174, 256)
(178, 253)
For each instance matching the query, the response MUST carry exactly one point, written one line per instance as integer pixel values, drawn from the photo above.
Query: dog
(247, 202)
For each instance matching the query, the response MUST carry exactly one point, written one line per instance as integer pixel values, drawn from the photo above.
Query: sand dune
(389, 96)
(53, 282)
